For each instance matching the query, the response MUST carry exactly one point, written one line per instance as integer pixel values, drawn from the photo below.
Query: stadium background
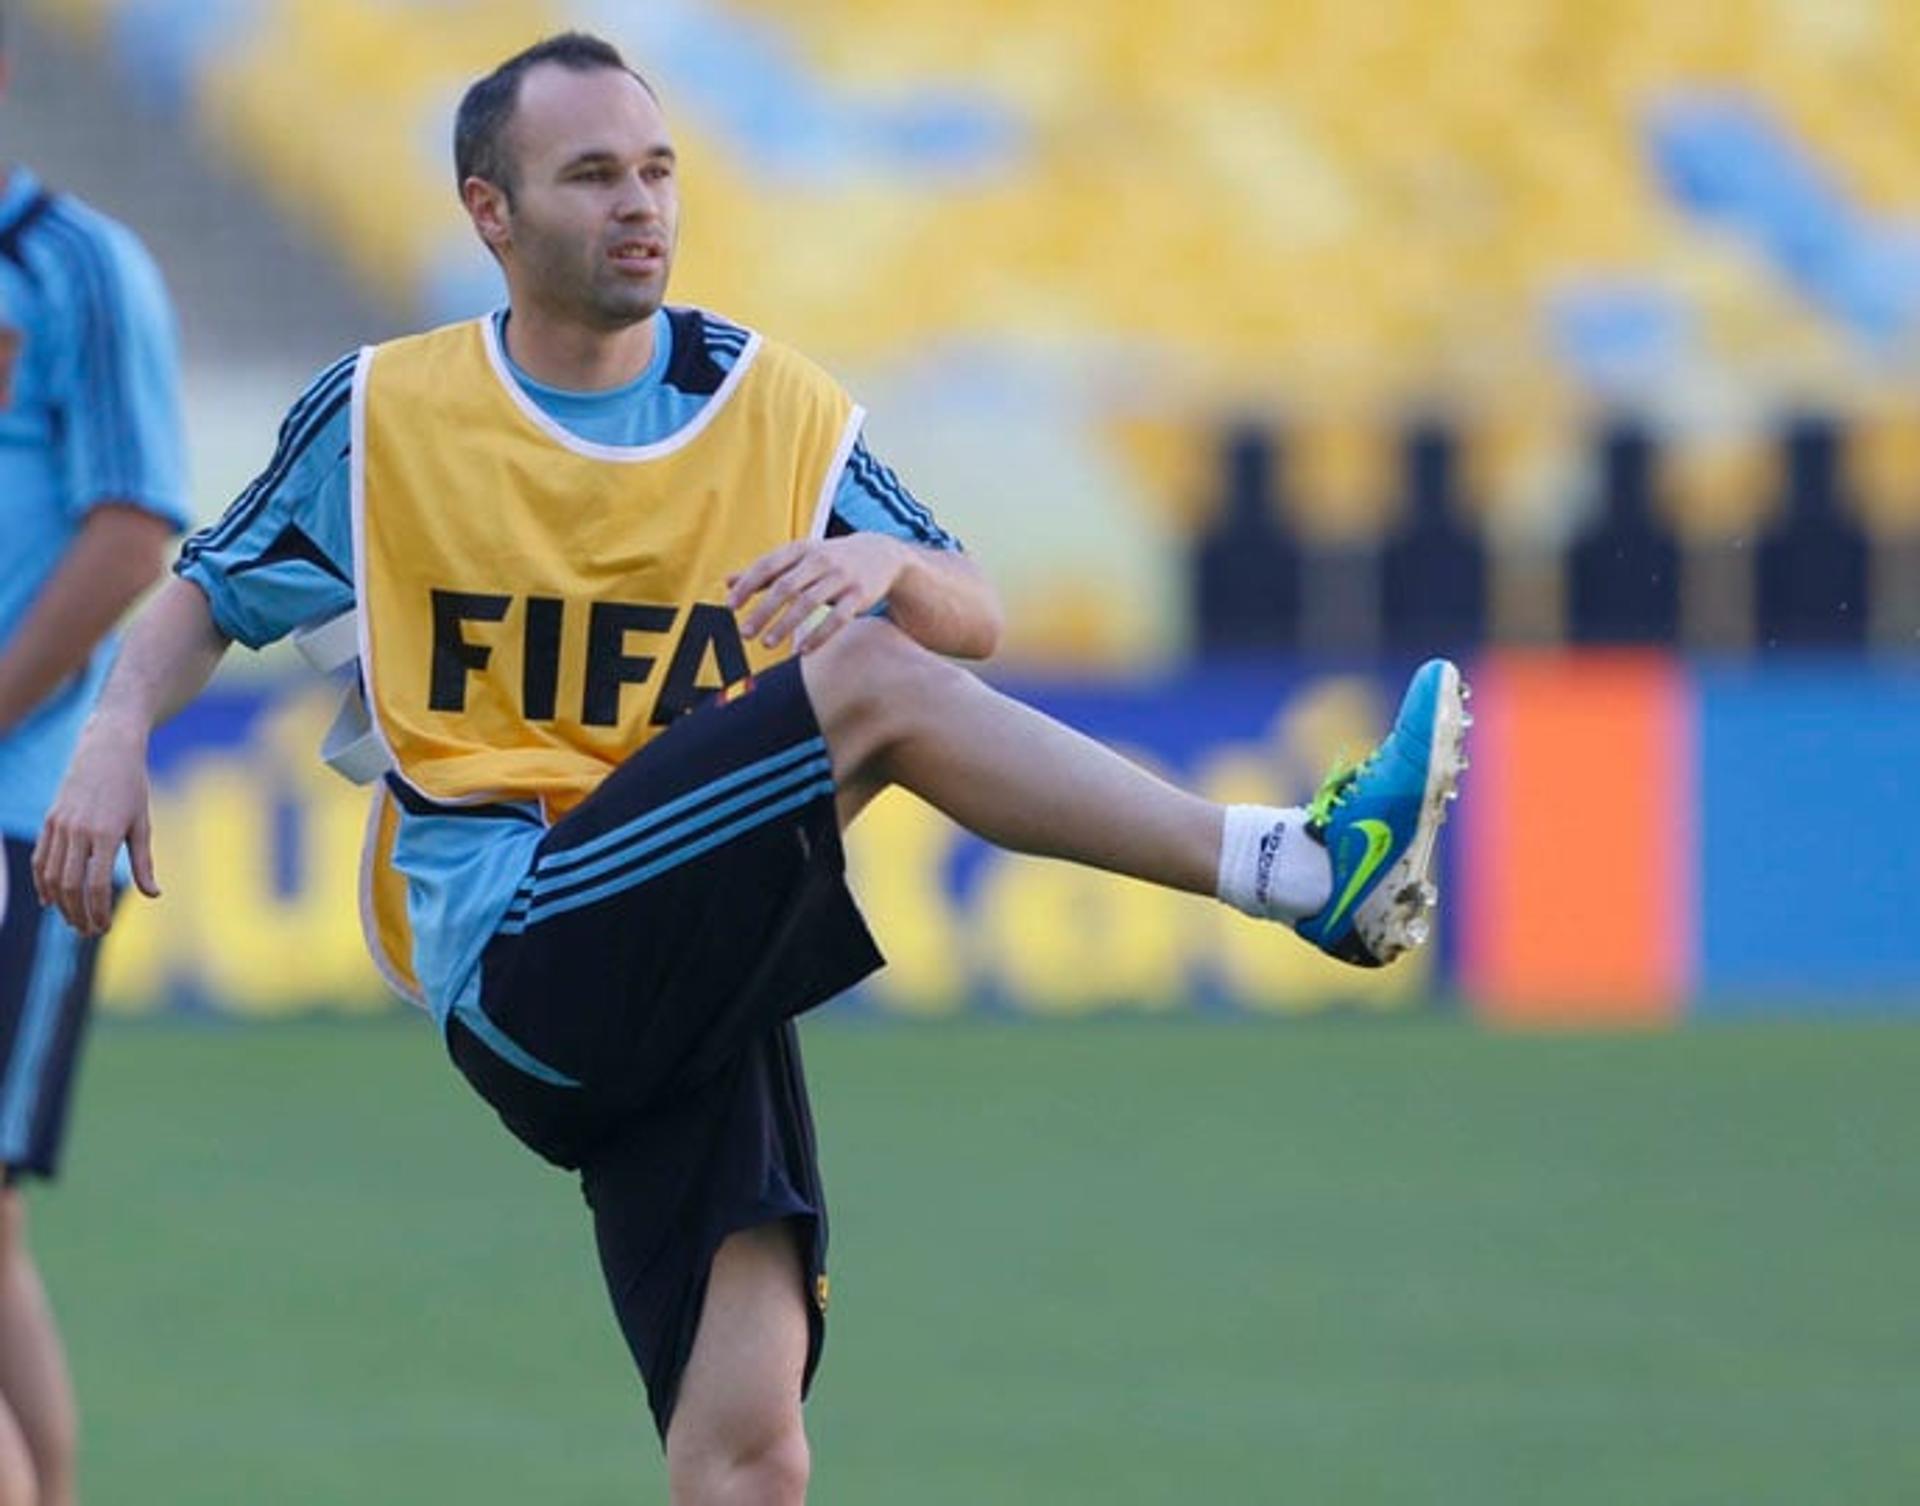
(1258, 349)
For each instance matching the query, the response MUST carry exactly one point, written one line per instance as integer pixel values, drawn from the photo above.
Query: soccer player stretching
(641, 625)
(90, 491)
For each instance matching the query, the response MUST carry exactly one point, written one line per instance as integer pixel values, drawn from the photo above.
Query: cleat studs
(1466, 719)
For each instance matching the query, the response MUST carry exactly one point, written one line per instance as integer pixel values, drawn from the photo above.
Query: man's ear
(492, 214)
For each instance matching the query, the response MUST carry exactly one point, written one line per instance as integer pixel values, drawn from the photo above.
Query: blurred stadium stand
(1474, 319)
(254, 288)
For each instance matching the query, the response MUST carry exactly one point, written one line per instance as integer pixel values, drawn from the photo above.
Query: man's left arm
(121, 467)
(811, 589)
(884, 549)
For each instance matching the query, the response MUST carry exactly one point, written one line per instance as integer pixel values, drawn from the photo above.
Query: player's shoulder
(321, 411)
(58, 209)
(455, 333)
(705, 349)
(438, 364)
(708, 332)
(331, 381)
(707, 346)
(94, 256)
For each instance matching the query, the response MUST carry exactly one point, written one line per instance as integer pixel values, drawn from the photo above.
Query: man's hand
(101, 805)
(812, 589)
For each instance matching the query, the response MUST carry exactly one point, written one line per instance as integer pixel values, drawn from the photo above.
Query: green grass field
(1112, 1263)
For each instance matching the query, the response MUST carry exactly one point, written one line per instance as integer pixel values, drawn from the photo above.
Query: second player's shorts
(637, 1005)
(46, 987)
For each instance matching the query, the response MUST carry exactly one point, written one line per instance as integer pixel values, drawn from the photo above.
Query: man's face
(596, 205)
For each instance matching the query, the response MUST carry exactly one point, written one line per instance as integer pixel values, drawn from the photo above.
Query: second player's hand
(810, 590)
(102, 804)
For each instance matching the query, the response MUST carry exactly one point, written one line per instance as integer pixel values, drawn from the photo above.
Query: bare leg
(736, 1437)
(17, 1486)
(895, 714)
(33, 1363)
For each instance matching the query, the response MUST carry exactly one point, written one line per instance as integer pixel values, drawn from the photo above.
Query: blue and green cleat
(1379, 821)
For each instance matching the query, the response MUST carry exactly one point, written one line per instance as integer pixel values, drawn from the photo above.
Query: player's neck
(567, 355)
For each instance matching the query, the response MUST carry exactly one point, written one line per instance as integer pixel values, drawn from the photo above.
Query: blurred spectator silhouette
(1434, 567)
(1246, 566)
(1623, 571)
(1813, 560)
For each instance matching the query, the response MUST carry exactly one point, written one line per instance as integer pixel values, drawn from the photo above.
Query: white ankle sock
(1269, 866)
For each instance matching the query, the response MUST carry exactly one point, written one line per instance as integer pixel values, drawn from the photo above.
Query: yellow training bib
(534, 607)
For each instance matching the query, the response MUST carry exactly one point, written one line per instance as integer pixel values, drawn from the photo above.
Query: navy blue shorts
(637, 1006)
(46, 988)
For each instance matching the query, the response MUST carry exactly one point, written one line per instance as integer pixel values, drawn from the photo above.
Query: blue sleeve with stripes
(872, 499)
(120, 379)
(282, 555)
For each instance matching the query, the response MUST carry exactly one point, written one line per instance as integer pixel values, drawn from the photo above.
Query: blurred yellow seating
(1237, 189)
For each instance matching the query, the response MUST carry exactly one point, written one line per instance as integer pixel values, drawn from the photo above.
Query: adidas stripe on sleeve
(282, 554)
(872, 499)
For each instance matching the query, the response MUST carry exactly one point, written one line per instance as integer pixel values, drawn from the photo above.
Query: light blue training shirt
(89, 415)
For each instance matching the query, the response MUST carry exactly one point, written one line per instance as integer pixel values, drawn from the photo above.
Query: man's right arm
(279, 556)
(169, 654)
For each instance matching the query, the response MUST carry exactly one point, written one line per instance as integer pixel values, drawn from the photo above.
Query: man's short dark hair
(486, 110)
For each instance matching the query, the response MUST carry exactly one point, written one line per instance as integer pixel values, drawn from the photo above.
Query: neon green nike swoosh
(1379, 838)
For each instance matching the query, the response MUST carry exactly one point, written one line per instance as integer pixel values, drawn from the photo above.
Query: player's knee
(778, 1474)
(872, 684)
(862, 656)
(767, 1465)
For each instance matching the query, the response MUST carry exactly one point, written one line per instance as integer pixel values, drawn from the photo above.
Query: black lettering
(609, 665)
(708, 627)
(454, 658)
(540, 663)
